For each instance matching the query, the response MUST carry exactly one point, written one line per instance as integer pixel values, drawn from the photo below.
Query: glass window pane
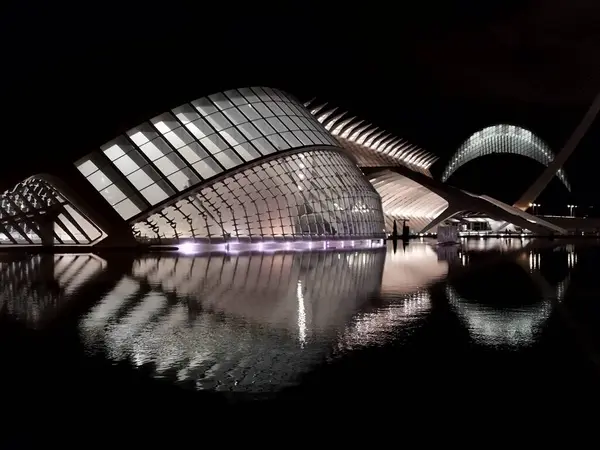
(126, 165)
(169, 164)
(214, 144)
(303, 138)
(218, 121)
(142, 134)
(193, 152)
(250, 96)
(186, 113)
(127, 209)
(249, 112)
(289, 123)
(140, 179)
(112, 194)
(263, 110)
(184, 179)
(87, 167)
(293, 140)
(235, 116)
(249, 131)
(298, 122)
(155, 149)
(233, 136)
(165, 123)
(179, 137)
(261, 94)
(263, 146)
(276, 123)
(235, 96)
(278, 142)
(199, 128)
(247, 151)
(264, 127)
(116, 148)
(273, 93)
(228, 159)
(273, 107)
(207, 168)
(154, 194)
(221, 101)
(204, 106)
(311, 135)
(99, 180)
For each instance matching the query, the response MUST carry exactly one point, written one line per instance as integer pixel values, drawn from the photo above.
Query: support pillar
(448, 213)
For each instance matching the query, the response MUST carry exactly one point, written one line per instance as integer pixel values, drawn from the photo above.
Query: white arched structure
(405, 199)
(503, 139)
(349, 129)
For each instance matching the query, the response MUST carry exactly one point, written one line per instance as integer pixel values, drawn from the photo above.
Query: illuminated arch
(503, 139)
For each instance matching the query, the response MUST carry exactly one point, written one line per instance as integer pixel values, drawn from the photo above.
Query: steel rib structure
(251, 165)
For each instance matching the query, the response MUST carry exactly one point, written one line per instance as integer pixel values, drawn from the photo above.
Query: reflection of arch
(503, 139)
(500, 327)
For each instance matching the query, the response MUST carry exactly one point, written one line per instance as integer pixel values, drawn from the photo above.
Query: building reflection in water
(33, 288)
(497, 326)
(256, 322)
(412, 268)
(407, 274)
(498, 244)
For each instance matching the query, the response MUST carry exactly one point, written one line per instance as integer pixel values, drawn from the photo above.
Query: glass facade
(503, 139)
(318, 193)
(35, 213)
(195, 142)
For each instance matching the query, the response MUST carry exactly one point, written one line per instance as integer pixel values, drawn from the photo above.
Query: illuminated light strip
(193, 248)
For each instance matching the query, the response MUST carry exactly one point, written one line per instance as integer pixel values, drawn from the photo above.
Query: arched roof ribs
(381, 140)
(364, 135)
(342, 125)
(503, 139)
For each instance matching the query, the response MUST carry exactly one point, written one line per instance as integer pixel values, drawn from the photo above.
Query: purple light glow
(192, 248)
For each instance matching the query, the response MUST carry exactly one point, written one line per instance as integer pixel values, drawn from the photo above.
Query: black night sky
(74, 77)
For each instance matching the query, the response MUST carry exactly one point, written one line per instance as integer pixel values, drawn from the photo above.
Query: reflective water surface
(419, 321)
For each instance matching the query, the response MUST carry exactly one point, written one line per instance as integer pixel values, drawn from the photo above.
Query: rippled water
(500, 315)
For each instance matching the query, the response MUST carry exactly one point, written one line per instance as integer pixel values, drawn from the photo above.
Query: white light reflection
(513, 327)
(35, 288)
(233, 322)
(301, 315)
(410, 269)
(188, 248)
(375, 328)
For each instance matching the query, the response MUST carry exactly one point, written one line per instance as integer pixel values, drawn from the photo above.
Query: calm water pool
(485, 324)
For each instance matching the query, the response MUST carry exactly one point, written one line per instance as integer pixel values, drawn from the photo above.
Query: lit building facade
(503, 139)
(242, 167)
